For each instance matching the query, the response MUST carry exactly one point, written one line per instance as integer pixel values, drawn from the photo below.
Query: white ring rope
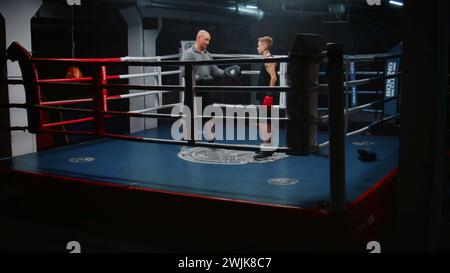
(140, 94)
(370, 57)
(163, 73)
(241, 118)
(255, 56)
(360, 131)
(155, 58)
(156, 108)
(359, 108)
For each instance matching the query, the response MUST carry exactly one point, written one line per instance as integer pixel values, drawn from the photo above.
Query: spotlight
(251, 11)
(250, 6)
(396, 3)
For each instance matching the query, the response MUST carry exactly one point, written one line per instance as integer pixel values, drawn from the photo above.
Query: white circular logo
(223, 156)
(283, 181)
(81, 159)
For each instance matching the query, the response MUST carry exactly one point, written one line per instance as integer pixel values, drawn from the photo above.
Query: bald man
(199, 52)
(204, 74)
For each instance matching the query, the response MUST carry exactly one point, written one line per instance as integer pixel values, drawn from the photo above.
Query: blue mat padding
(157, 166)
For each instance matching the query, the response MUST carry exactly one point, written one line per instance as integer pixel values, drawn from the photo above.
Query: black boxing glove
(233, 71)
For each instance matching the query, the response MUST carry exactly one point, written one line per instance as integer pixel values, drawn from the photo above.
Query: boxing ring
(212, 195)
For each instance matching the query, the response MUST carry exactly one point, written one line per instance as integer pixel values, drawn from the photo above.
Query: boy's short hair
(267, 40)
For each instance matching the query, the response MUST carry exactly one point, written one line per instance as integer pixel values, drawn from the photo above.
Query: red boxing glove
(268, 101)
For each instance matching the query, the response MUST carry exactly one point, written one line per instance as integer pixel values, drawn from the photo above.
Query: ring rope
(362, 130)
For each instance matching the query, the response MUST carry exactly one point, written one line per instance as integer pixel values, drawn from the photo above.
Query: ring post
(101, 100)
(16, 52)
(301, 106)
(337, 123)
(189, 99)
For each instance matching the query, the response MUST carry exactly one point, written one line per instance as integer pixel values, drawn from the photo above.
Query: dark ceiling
(221, 11)
(271, 7)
